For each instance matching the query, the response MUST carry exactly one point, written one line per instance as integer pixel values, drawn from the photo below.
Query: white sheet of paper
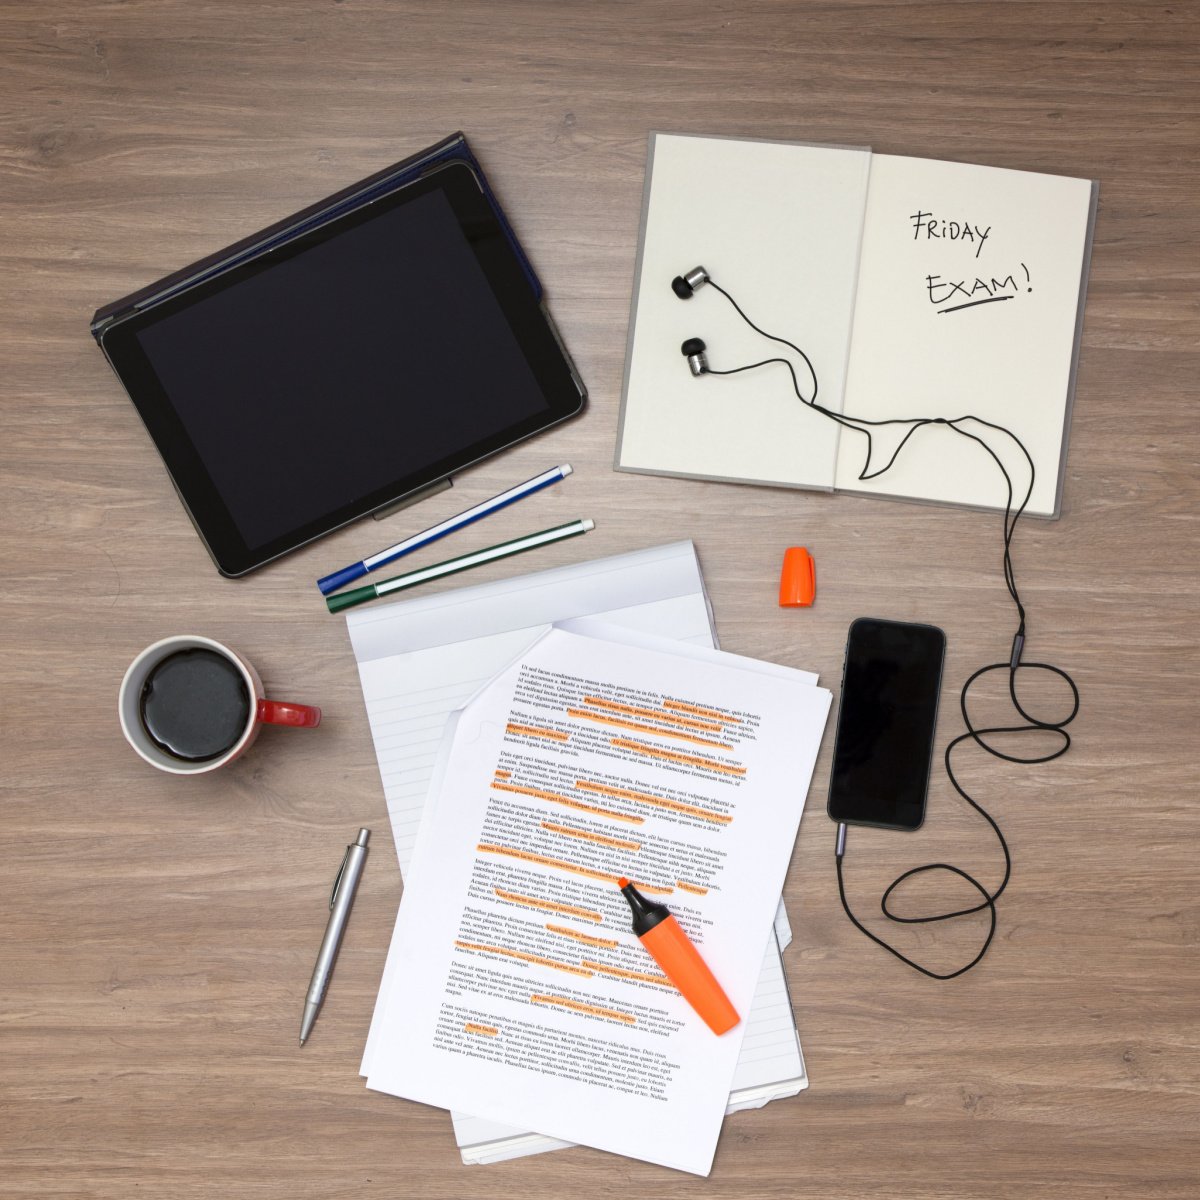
(486, 1010)
(771, 1063)
(968, 293)
(778, 225)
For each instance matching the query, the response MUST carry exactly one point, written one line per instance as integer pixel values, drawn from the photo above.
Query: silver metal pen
(340, 901)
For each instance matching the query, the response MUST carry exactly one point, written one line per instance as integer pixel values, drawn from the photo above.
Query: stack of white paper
(416, 670)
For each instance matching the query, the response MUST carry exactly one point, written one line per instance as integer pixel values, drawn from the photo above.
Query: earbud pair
(684, 286)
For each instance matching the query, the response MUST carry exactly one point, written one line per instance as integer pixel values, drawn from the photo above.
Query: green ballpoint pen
(451, 566)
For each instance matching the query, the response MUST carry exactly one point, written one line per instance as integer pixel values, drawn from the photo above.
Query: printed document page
(771, 1063)
(520, 993)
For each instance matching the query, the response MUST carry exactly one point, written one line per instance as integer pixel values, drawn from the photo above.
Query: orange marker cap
(798, 580)
(679, 959)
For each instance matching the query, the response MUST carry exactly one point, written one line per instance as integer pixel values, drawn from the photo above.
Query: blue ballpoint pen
(330, 583)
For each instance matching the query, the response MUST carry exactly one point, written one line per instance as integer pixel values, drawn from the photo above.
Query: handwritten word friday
(951, 231)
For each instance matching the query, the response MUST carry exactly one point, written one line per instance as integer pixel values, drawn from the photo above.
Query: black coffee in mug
(195, 705)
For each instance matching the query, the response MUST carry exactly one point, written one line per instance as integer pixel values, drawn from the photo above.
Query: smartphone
(883, 749)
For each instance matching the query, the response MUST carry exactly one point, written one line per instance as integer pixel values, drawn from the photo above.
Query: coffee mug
(189, 705)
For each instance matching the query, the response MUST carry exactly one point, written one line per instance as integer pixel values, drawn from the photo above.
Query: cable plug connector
(1014, 659)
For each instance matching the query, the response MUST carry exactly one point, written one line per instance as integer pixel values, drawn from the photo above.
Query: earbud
(684, 286)
(693, 350)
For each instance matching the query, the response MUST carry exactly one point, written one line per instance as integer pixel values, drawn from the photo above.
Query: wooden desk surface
(159, 933)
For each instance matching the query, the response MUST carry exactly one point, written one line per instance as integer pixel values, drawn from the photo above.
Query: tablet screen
(344, 368)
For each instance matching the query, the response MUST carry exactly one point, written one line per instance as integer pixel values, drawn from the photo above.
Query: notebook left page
(778, 225)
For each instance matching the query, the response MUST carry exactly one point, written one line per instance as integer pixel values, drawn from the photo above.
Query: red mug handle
(276, 712)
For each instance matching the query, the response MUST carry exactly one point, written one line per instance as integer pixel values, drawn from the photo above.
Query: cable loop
(925, 920)
(1056, 725)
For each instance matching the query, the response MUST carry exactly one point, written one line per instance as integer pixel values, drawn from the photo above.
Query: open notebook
(918, 288)
(419, 660)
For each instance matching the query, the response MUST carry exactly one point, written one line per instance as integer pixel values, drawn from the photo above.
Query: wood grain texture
(159, 933)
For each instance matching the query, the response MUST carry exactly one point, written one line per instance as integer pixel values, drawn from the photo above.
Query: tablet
(357, 362)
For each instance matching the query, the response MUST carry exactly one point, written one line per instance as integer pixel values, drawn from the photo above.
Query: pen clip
(337, 879)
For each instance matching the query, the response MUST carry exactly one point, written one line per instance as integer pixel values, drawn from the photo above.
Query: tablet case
(451, 149)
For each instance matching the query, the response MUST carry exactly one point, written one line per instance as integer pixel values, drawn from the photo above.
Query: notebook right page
(970, 286)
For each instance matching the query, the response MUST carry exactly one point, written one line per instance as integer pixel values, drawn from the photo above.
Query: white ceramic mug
(262, 710)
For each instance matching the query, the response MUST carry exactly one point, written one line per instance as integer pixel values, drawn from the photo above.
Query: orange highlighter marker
(672, 949)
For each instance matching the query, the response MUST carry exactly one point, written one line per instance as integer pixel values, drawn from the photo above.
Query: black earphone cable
(973, 733)
(771, 337)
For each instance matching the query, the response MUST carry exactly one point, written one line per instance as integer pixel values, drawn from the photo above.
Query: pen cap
(349, 599)
(331, 583)
(798, 579)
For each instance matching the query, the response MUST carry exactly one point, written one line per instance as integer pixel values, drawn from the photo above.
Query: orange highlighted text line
(607, 943)
(524, 956)
(567, 831)
(554, 798)
(592, 1010)
(692, 760)
(570, 910)
(657, 801)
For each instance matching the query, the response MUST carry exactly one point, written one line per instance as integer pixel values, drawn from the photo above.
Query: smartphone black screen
(886, 722)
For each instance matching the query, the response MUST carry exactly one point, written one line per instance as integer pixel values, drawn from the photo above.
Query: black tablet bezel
(560, 385)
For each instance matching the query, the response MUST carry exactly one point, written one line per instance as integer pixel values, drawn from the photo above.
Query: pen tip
(302, 1041)
(622, 882)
